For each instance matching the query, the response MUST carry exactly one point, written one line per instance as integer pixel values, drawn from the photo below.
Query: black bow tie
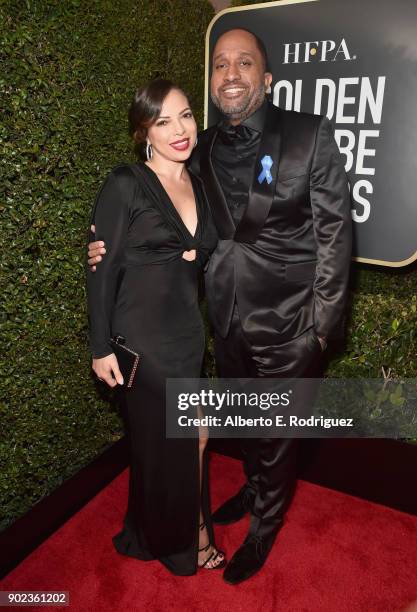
(234, 132)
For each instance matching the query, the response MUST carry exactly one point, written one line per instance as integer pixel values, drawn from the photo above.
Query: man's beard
(242, 109)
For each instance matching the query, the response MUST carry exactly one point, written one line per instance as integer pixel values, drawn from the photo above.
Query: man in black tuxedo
(276, 284)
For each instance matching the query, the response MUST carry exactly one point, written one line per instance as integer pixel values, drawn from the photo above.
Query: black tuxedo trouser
(269, 463)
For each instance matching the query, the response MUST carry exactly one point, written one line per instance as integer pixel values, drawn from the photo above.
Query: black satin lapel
(218, 205)
(261, 194)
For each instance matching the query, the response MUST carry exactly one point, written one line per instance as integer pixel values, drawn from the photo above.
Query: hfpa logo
(326, 50)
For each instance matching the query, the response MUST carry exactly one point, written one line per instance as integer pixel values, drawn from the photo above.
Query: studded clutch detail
(127, 359)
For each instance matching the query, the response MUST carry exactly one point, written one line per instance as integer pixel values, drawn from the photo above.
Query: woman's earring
(195, 144)
(149, 151)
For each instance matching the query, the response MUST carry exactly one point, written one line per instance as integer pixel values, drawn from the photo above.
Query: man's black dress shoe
(250, 557)
(234, 508)
(247, 560)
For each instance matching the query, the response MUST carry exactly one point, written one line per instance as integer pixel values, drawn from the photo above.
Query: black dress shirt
(234, 156)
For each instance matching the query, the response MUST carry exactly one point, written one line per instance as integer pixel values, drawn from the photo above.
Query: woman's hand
(105, 366)
(95, 251)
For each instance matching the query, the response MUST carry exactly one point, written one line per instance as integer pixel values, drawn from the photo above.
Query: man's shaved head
(239, 78)
(259, 43)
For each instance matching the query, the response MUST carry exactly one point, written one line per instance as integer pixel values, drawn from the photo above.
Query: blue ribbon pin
(266, 163)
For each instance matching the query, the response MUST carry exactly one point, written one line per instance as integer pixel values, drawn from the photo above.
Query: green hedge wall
(382, 327)
(69, 70)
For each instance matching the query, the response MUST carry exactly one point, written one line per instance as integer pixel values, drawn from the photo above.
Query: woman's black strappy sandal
(216, 553)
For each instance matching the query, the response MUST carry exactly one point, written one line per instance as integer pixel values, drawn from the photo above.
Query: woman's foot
(208, 555)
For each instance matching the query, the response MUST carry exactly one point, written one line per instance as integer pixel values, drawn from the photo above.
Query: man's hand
(104, 368)
(95, 251)
(323, 342)
(189, 255)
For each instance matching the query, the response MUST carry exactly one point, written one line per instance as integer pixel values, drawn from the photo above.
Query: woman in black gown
(146, 289)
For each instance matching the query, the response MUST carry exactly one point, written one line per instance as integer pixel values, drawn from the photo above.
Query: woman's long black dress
(146, 291)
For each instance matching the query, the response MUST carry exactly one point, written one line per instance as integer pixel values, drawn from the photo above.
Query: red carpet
(336, 553)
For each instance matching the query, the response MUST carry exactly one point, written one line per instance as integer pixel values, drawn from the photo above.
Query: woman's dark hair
(146, 107)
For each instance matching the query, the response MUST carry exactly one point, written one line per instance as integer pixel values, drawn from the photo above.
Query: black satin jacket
(287, 261)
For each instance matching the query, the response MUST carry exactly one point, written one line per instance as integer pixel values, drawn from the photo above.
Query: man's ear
(268, 81)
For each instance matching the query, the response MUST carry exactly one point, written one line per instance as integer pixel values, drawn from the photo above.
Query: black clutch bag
(127, 359)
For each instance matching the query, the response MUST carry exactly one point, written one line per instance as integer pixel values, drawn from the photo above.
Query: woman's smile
(181, 145)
